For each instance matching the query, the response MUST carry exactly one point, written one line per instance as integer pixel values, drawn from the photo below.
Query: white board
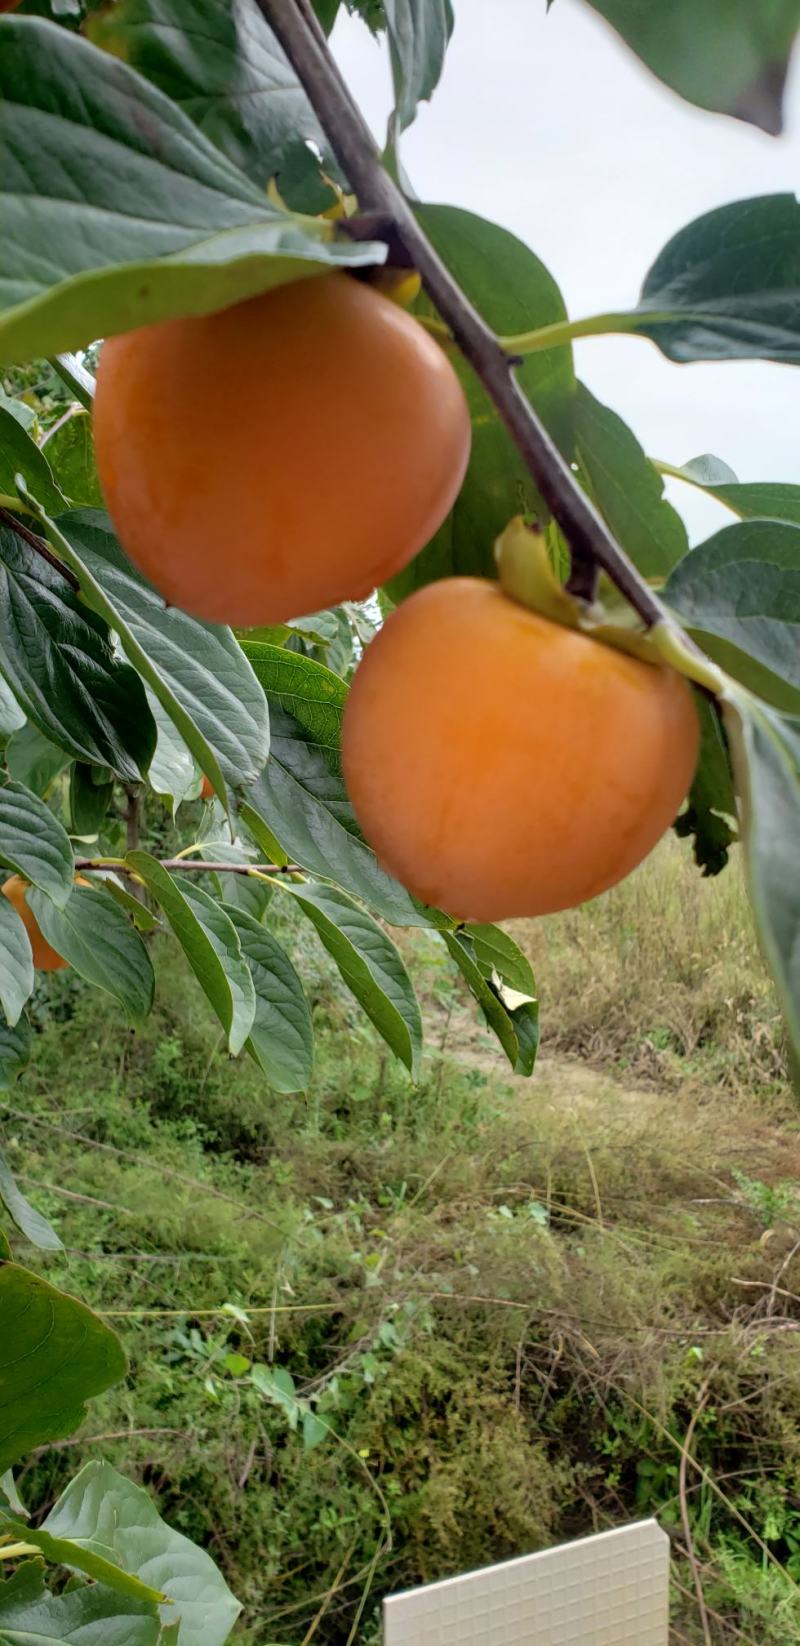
(608, 1590)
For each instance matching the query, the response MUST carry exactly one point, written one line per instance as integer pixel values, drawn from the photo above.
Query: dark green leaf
(282, 1039)
(727, 55)
(54, 1356)
(117, 211)
(57, 656)
(202, 949)
(33, 1225)
(33, 843)
(93, 934)
(511, 1016)
(85, 1616)
(370, 965)
(139, 913)
(224, 936)
(20, 455)
(33, 760)
(712, 802)
(16, 963)
(726, 287)
(196, 670)
(626, 488)
(496, 952)
(419, 33)
(62, 1551)
(223, 66)
(242, 891)
(15, 1052)
(117, 1520)
(515, 293)
(313, 695)
(88, 801)
(69, 449)
(766, 755)
(739, 596)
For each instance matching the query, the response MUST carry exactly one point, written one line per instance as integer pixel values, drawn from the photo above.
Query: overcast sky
(546, 123)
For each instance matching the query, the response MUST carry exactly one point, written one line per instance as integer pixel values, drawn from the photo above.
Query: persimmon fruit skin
(502, 765)
(45, 958)
(282, 455)
(206, 789)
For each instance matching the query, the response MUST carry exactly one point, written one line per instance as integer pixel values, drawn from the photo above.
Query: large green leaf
(117, 1520)
(727, 55)
(33, 760)
(766, 754)
(204, 948)
(626, 488)
(15, 1052)
(419, 33)
(196, 670)
(58, 657)
(69, 449)
(223, 934)
(711, 806)
(32, 1224)
(282, 1038)
(223, 66)
(727, 286)
(89, 799)
(500, 957)
(370, 965)
(33, 842)
(739, 596)
(61, 1551)
(16, 963)
(313, 695)
(117, 210)
(30, 1615)
(20, 455)
(102, 946)
(515, 293)
(751, 500)
(54, 1356)
(512, 1014)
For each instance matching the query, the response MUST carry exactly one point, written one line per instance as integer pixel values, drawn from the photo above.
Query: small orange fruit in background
(502, 765)
(45, 958)
(281, 456)
(8, 5)
(206, 788)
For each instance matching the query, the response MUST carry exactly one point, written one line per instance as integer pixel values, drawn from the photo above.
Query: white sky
(546, 123)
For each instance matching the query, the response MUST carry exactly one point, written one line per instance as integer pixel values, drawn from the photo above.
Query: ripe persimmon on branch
(592, 545)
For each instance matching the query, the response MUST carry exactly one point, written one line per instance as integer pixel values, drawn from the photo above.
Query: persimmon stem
(592, 545)
(39, 547)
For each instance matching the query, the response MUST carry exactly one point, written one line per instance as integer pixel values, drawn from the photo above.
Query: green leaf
(224, 68)
(69, 449)
(739, 595)
(33, 760)
(58, 658)
(712, 801)
(313, 695)
(282, 1038)
(726, 287)
(751, 500)
(727, 55)
(24, 414)
(62, 1551)
(242, 891)
(16, 963)
(97, 939)
(33, 843)
(15, 1052)
(54, 1356)
(370, 965)
(32, 1224)
(496, 952)
(196, 670)
(419, 33)
(172, 770)
(515, 293)
(8, 1485)
(223, 934)
(626, 488)
(203, 949)
(315, 1430)
(12, 717)
(139, 913)
(118, 1521)
(88, 801)
(117, 210)
(31, 1616)
(766, 756)
(511, 1015)
(20, 455)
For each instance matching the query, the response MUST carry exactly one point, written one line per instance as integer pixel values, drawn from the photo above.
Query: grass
(512, 1304)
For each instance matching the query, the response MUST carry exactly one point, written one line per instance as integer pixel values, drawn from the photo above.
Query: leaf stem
(39, 547)
(591, 542)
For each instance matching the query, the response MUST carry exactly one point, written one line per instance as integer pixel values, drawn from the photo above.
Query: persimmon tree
(197, 168)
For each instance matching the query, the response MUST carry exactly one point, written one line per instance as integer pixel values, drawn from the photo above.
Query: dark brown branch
(591, 543)
(188, 866)
(39, 547)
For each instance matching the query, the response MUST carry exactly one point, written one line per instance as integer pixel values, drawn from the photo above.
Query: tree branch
(591, 543)
(39, 547)
(186, 865)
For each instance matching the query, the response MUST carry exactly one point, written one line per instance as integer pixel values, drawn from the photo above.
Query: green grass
(509, 1301)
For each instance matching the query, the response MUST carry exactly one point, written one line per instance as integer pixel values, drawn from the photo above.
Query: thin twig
(591, 542)
(39, 547)
(686, 1458)
(183, 865)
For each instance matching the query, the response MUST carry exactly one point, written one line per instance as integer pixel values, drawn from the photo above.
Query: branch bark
(591, 543)
(39, 547)
(190, 866)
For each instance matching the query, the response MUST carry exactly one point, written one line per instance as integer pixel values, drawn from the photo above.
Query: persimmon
(45, 958)
(282, 455)
(207, 790)
(500, 764)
